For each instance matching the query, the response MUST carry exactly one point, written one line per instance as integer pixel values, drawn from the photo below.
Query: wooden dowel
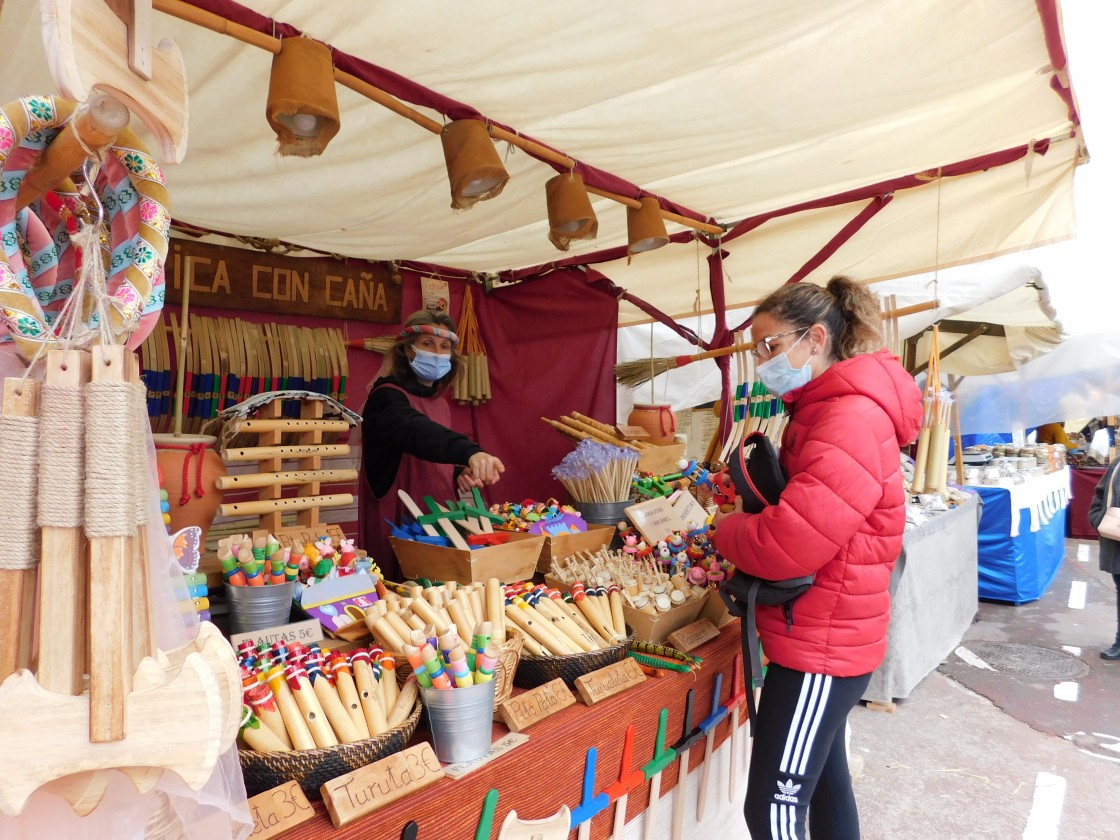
(290, 424)
(250, 480)
(110, 672)
(17, 586)
(256, 507)
(260, 453)
(216, 23)
(92, 129)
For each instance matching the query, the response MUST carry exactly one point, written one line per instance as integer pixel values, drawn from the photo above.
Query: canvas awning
(740, 109)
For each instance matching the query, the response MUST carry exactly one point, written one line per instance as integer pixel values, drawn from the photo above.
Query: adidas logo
(788, 791)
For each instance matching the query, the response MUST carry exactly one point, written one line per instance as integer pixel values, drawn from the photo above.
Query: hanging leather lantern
(645, 228)
(302, 103)
(569, 210)
(474, 170)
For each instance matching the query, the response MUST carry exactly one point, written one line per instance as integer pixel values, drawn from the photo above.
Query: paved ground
(980, 753)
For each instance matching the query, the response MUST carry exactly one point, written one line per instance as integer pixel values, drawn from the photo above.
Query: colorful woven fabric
(39, 263)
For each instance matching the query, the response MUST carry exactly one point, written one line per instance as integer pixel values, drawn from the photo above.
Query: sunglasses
(765, 348)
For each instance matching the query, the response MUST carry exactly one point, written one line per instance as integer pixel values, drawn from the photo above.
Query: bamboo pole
(268, 479)
(216, 23)
(259, 453)
(258, 506)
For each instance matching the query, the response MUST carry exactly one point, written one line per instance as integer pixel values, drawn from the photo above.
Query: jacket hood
(877, 376)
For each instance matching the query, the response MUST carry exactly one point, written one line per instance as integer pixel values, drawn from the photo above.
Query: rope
(19, 537)
(108, 503)
(192, 449)
(61, 457)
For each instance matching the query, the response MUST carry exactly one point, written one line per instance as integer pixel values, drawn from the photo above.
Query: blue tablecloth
(1018, 558)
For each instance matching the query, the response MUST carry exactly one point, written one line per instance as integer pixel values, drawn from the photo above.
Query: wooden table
(538, 777)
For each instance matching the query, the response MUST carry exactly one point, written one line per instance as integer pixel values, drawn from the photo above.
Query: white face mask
(780, 377)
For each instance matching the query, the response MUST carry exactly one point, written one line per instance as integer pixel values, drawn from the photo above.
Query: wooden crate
(515, 560)
(565, 545)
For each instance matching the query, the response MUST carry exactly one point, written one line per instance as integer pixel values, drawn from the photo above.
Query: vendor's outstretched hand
(483, 468)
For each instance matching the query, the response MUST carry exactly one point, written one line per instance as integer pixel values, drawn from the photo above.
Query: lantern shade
(569, 210)
(645, 228)
(474, 170)
(302, 103)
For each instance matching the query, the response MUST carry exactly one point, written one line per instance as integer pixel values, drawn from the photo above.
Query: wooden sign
(633, 432)
(523, 710)
(690, 511)
(656, 519)
(607, 682)
(303, 632)
(239, 278)
(277, 810)
(693, 635)
(499, 748)
(376, 785)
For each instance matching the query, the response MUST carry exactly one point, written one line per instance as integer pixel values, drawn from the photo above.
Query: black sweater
(391, 427)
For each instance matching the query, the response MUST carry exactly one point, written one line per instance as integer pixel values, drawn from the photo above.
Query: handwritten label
(656, 519)
(498, 748)
(693, 635)
(277, 810)
(690, 511)
(299, 534)
(523, 710)
(607, 682)
(379, 784)
(298, 631)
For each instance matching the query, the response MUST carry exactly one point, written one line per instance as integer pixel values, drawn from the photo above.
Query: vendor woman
(406, 442)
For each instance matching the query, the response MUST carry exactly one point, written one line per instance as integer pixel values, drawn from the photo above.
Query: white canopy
(735, 109)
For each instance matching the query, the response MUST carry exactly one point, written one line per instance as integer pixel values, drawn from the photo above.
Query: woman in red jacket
(840, 518)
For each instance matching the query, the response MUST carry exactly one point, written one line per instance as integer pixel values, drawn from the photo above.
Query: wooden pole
(216, 23)
(181, 373)
(92, 129)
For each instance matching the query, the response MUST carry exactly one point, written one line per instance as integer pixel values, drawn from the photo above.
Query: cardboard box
(515, 560)
(661, 460)
(565, 545)
(656, 628)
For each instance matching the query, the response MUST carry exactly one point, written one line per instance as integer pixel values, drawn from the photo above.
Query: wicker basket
(509, 653)
(314, 768)
(537, 670)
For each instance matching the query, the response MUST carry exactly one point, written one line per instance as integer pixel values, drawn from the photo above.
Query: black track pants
(798, 763)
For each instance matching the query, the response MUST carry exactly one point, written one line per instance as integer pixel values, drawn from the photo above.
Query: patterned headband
(429, 329)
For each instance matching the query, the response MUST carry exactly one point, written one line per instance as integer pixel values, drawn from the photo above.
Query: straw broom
(638, 372)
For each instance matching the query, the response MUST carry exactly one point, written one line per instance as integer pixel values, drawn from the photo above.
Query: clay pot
(658, 420)
(190, 465)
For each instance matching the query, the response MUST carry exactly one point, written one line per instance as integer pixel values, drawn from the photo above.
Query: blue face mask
(430, 367)
(780, 377)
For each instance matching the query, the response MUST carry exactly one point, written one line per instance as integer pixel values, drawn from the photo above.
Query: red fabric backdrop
(551, 349)
(551, 346)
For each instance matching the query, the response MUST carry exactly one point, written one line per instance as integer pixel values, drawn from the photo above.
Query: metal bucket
(460, 720)
(257, 607)
(605, 513)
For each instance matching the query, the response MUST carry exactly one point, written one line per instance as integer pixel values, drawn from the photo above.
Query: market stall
(933, 599)
(324, 250)
(1022, 536)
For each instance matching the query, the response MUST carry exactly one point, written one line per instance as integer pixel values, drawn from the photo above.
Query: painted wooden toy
(555, 827)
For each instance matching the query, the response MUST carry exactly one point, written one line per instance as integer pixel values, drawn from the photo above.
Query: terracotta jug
(190, 465)
(658, 420)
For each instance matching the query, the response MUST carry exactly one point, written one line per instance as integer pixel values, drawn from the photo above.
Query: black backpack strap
(749, 631)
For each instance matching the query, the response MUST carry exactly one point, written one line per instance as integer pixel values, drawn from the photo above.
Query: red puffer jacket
(841, 517)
